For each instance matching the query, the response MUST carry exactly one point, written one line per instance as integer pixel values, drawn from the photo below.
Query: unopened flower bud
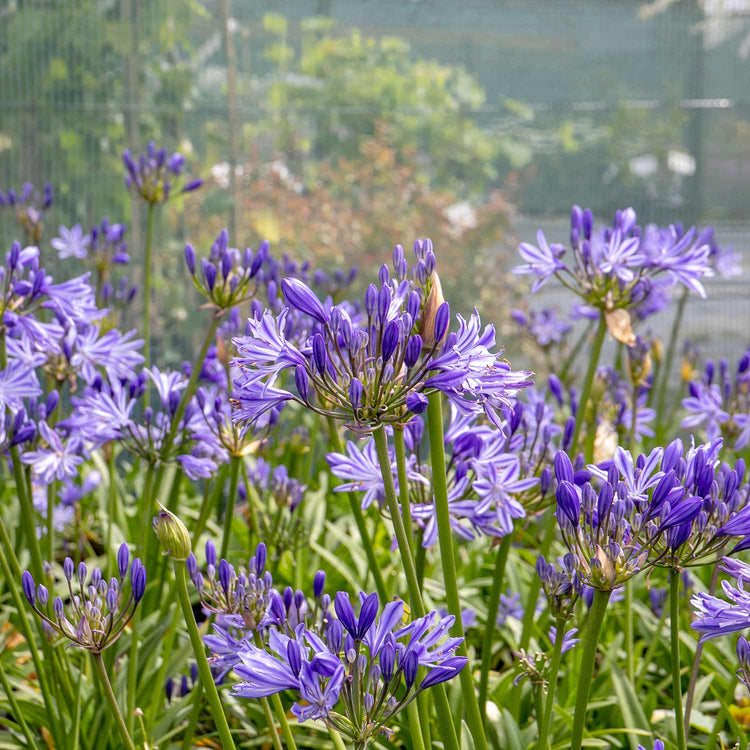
(173, 535)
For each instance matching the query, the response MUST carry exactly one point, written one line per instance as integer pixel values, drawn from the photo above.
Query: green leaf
(630, 706)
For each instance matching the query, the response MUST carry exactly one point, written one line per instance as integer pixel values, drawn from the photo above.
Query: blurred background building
(337, 128)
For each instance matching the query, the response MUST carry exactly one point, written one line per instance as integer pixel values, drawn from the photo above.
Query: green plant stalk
(12, 572)
(209, 501)
(596, 350)
(51, 522)
(445, 721)
(445, 538)
(588, 656)
(629, 656)
(28, 514)
(338, 743)
(359, 519)
(15, 710)
(271, 724)
(498, 578)
(111, 505)
(187, 394)
(403, 482)
(667, 365)
(674, 632)
(187, 738)
(652, 646)
(234, 476)
(110, 696)
(147, 270)
(535, 585)
(538, 706)
(415, 726)
(283, 723)
(204, 671)
(554, 668)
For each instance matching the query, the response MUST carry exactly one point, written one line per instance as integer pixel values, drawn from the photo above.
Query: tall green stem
(666, 367)
(403, 482)
(359, 519)
(271, 724)
(147, 270)
(674, 632)
(554, 668)
(207, 680)
(498, 577)
(110, 696)
(111, 503)
(588, 657)
(187, 395)
(281, 716)
(596, 350)
(445, 722)
(630, 659)
(445, 538)
(234, 476)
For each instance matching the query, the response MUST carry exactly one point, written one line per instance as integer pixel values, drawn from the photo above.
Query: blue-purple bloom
(96, 616)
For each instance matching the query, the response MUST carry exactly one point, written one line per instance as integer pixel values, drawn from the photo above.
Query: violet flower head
(615, 267)
(227, 277)
(356, 671)
(715, 615)
(155, 176)
(97, 615)
(366, 370)
(28, 206)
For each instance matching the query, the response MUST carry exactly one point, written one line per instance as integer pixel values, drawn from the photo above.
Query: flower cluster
(226, 274)
(153, 175)
(353, 671)
(29, 207)
(96, 616)
(664, 508)
(715, 616)
(486, 485)
(719, 402)
(376, 367)
(618, 267)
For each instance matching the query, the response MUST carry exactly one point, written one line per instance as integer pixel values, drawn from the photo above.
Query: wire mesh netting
(336, 129)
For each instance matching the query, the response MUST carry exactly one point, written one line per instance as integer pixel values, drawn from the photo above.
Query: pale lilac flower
(542, 261)
(72, 243)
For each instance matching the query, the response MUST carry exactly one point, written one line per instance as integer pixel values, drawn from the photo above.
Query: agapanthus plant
(357, 674)
(719, 402)
(376, 369)
(29, 206)
(154, 175)
(96, 616)
(613, 267)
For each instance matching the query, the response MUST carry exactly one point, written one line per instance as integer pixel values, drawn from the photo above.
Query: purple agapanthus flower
(715, 616)
(58, 459)
(71, 243)
(542, 261)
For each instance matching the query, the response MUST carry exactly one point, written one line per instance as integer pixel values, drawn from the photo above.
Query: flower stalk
(498, 578)
(111, 700)
(596, 619)
(596, 349)
(674, 632)
(445, 537)
(207, 680)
